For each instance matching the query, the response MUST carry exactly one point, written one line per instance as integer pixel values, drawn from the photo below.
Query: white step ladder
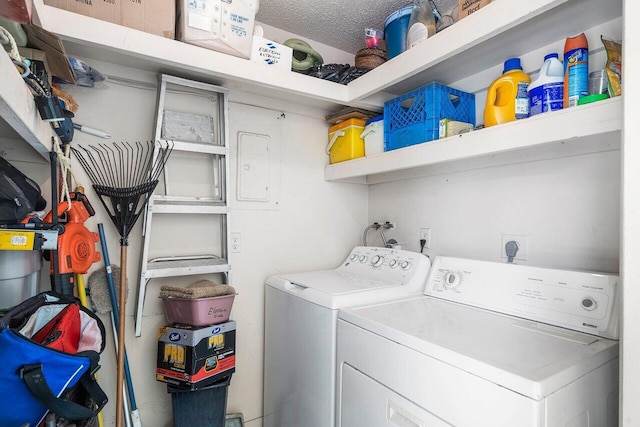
(174, 127)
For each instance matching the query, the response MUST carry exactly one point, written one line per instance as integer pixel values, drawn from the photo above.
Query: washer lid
(335, 288)
(530, 358)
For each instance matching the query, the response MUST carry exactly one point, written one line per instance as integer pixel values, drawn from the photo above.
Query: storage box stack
(415, 117)
(196, 353)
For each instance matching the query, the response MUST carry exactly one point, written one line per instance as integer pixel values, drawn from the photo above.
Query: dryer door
(366, 402)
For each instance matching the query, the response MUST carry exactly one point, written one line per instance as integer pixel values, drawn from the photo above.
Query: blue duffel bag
(35, 378)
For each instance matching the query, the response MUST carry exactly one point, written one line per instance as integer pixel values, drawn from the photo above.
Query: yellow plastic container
(345, 142)
(507, 98)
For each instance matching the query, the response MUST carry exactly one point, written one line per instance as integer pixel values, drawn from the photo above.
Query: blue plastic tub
(396, 27)
(414, 117)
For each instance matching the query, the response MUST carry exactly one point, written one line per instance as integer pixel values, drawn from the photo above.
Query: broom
(124, 176)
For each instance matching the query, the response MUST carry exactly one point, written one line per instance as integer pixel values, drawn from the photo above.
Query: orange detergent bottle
(507, 98)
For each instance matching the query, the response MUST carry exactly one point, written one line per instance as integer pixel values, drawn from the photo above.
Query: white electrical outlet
(235, 242)
(425, 233)
(521, 240)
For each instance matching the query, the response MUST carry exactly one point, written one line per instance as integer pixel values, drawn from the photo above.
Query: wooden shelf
(579, 130)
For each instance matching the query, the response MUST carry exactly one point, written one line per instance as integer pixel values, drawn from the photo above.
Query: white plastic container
(226, 26)
(373, 135)
(546, 91)
(19, 276)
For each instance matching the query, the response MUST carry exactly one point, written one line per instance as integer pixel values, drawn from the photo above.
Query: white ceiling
(337, 23)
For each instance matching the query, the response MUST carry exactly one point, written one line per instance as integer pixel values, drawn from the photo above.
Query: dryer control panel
(581, 301)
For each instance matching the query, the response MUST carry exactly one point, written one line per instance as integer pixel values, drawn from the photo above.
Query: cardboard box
(53, 49)
(196, 357)
(271, 53)
(449, 127)
(103, 10)
(151, 16)
(226, 26)
(467, 7)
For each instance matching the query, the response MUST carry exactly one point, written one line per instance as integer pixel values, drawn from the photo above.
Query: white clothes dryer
(496, 345)
(301, 314)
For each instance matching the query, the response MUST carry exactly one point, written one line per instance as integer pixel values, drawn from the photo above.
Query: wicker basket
(370, 58)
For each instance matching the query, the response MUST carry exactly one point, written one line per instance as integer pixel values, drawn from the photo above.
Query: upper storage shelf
(473, 44)
(588, 128)
(18, 111)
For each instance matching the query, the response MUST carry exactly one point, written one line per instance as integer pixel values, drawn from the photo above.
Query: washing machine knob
(452, 279)
(405, 265)
(377, 260)
(589, 304)
(353, 257)
(393, 263)
(363, 258)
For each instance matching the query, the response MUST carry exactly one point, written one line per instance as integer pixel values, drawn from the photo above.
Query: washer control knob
(405, 265)
(452, 279)
(393, 263)
(377, 260)
(353, 257)
(589, 304)
(363, 258)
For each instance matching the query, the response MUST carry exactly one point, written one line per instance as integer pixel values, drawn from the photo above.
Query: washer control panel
(577, 300)
(389, 264)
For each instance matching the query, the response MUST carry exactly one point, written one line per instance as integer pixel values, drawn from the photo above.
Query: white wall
(569, 209)
(314, 225)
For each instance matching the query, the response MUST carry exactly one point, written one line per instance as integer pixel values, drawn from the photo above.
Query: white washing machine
(301, 314)
(495, 345)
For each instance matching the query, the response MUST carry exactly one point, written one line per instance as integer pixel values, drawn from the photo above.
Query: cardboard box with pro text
(196, 357)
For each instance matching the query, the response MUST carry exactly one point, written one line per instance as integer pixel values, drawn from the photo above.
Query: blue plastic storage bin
(414, 117)
(396, 27)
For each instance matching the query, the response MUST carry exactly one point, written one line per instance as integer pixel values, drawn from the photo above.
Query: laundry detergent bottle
(546, 91)
(507, 98)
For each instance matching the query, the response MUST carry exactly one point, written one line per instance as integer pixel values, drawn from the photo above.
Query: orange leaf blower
(76, 244)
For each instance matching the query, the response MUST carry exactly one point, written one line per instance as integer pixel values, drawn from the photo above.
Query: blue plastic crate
(414, 117)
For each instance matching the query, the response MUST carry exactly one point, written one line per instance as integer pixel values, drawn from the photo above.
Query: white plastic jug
(546, 91)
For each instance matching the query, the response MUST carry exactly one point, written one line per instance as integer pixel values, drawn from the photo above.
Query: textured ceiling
(337, 23)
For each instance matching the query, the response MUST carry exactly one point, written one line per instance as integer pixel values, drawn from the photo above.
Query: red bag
(62, 332)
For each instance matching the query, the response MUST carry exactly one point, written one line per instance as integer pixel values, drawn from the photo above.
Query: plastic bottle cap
(550, 55)
(512, 64)
(592, 98)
